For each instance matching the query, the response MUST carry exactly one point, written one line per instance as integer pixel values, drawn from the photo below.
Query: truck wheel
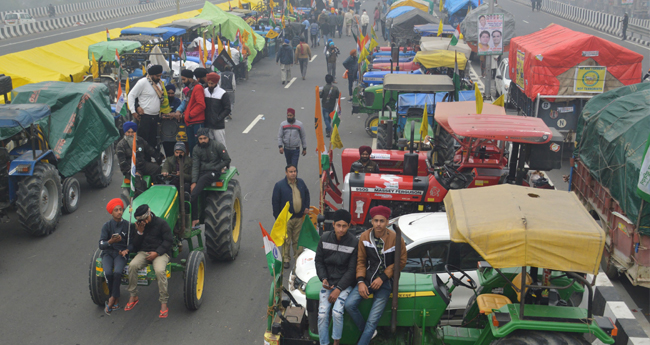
(372, 121)
(71, 194)
(99, 173)
(223, 223)
(39, 201)
(97, 285)
(612, 271)
(382, 137)
(194, 280)
(528, 337)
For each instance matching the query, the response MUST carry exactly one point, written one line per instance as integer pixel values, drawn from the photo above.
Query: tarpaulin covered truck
(555, 71)
(612, 136)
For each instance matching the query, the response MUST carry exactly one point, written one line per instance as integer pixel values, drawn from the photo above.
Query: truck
(612, 138)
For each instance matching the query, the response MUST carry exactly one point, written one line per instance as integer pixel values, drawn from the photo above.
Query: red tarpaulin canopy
(549, 54)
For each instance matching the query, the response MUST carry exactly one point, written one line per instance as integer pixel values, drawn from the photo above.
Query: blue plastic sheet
(399, 11)
(377, 77)
(144, 31)
(387, 53)
(172, 32)
(386, 59)
(454, 6)
(417, 100)
(22, 115)
(432, 29)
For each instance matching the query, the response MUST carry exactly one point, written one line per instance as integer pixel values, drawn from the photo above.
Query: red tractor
(494, 149)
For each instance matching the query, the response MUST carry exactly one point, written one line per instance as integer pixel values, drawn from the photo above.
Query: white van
(18, 18)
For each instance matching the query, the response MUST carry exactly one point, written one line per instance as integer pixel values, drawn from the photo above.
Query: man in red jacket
(195, 111)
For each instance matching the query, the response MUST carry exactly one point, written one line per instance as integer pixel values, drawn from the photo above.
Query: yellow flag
(229, 54)
(290, 8)
(272, 4)
(205, 49)
(254, 38)
(283, 21)
(460, 37)
(424, 125)
(126, 92)
(441, 5)
(271, 34)
(240, 6)
(279, 230)
(499, 101)
(94, 69)
(219, 45)
(372, 44)
(440, 29)
(373, 34)
(336, 138)
(479, 99)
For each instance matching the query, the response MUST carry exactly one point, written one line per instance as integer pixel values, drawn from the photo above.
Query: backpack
(314, 29)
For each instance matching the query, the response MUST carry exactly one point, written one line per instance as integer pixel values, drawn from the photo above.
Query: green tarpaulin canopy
(612, 134)
(81, 125)
(229, 24)
(106, 50)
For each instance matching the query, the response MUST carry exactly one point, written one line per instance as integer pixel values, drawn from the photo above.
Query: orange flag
(318, 127)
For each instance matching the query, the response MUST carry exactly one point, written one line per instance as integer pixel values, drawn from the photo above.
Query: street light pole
(488, 64)
(178, 6)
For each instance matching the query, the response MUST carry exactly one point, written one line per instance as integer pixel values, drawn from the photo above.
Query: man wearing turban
(367, 166)
(150, 94)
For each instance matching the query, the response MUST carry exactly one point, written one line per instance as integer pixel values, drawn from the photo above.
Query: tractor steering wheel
(166, 180)
(454, 173)
(471, 284)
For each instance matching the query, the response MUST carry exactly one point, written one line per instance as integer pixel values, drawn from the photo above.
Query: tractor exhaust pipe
(411, 158)
(396, 273)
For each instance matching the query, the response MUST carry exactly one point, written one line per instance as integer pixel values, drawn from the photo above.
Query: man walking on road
(303, 54)
(313, 33)
(348, 19)
(217, 108)
(150, 94)
(352, 65)
(285, 57)
(331, 54)
(329, 96)
(293, 190)
(625, 21)
(290, 137)
(152, 241)
(365, 21)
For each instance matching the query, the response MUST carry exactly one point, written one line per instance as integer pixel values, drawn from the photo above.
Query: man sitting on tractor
(336, 262)
(172, 165)
(375, 269)
(209, 160)
(368, 166)
(143, 149)
(152, 241)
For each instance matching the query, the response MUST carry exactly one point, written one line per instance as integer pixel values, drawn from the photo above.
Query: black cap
(141, 210)
(187, 73)
(200, 72)
(342, 215)
(155, 69)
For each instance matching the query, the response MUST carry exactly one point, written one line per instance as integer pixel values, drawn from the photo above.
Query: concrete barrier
(81, 19)
(38, 12)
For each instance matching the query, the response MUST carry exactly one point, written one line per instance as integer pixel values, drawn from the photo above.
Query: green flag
(456, 78)
(308, 235)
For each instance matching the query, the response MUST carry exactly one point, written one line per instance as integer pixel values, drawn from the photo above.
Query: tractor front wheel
(372, 121)
(223, 222)
(39, 200)
(97, 285)
(99, 173)
(194, 280)
(382, 137)
(528, 337)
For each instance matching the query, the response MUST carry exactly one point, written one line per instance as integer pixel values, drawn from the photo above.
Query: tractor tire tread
(95, 283)
(192, 302)
(28, 197)
(218, 220)
(95, 174)
(382, 138)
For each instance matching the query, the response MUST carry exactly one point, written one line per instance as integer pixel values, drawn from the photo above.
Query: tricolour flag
(479, 99)
(456, 37)
(273, 255)
(135, 136)
(308, 235)
(120, 99)
(181, 51)
(424, 124)
(335, 115)
(108, 35)
(94, 69)
(201, 63)
(117, 57)
(279, 230)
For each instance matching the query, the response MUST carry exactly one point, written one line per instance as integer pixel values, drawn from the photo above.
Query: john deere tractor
(220, 206)
(537, 247)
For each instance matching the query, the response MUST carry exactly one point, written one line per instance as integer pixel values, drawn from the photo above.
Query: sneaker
(283, 83)
(229, 117)
(374, 335)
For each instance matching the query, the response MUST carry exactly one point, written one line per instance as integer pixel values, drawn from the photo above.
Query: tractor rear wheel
(446, 149)
(99, 173)
(71, 194)
(372, 121)
(527, 337)
(194, 280)
(223, 222)
(39, 200)
(382, 137)
(97, 285)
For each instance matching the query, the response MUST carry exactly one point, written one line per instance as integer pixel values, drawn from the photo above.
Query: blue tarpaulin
(432, 29)
(22, 115)
(377, 77)
(453, 6)
(417, 100)
(172, 32)
(399, 11)
(144, 31)
(386, 59)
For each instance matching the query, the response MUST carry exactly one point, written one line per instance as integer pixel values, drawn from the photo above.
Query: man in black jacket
(217, 108)
(293, 190)
(285, 57)
(209, 160)
(336, 262)
(152, 241)
(142, 151)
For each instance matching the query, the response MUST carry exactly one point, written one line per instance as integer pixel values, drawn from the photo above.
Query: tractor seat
(489, 301)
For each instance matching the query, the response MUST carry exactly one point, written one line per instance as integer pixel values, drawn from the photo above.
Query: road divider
(43, 11)
(255, 121)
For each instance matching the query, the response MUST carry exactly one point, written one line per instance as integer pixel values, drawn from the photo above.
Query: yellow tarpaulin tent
(514, 226)
(440, 58)
(420, 5)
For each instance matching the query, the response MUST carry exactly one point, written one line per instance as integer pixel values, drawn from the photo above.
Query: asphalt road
(44, 281)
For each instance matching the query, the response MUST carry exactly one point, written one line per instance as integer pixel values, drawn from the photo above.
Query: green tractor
(220, 206)
(546, 234)
(369, 101)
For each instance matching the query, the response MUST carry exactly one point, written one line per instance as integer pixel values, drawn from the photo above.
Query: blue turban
(130, 125)
(170, 87)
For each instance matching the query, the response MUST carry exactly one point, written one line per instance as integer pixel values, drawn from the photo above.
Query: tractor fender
(222, 184)
(27, 159)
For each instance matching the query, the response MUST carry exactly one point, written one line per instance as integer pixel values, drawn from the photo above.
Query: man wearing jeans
(329, 96)
(290, 137)
(336, 261)
(375, 267)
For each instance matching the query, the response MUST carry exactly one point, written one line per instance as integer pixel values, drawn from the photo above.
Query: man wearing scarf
(152, 100)
(368, 166)
(152, 241)
(124, 152)
(171, 122)
(217, 108)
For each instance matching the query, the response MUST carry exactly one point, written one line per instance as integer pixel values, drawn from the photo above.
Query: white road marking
(257, 119)
(525, 21)
(291, 82)
(313, 57)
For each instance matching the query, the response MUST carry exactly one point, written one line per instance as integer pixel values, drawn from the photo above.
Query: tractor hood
(514, 226)
(162, 200)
